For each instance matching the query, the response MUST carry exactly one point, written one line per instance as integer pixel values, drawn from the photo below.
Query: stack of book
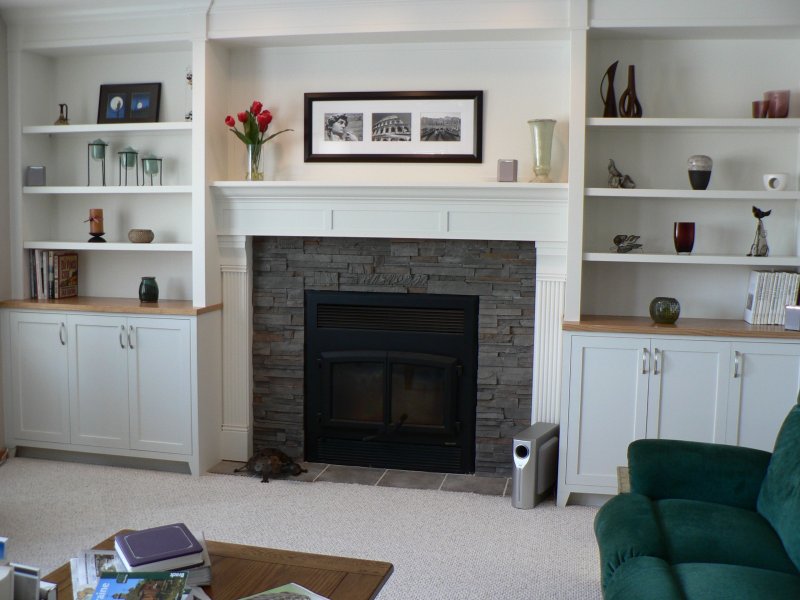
(165, 548)
(768, 294)
(53, 274)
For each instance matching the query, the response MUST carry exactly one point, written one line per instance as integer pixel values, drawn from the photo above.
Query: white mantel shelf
(490, 210)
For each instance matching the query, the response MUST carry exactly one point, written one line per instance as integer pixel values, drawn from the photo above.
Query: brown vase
(609, 98)
(629, 105)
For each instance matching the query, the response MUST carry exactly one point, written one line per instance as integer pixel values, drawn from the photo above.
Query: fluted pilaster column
(237, 336)
(551, 277)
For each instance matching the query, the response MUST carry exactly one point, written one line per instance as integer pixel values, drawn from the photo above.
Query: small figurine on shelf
(760, 247)
(63, 115)
(616, 179)
(95, 221)
(624, 243)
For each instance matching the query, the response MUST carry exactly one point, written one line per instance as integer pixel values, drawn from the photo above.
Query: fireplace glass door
(389, 396)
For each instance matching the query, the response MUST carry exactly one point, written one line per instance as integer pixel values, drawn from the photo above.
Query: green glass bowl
(665, 310)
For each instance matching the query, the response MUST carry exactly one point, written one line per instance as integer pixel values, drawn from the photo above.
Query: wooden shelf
(113, 305)
(694, 259)
(604, 192)
(84, 190)
(108, 246)
(687, 327)
(172, 126)
(702, 123)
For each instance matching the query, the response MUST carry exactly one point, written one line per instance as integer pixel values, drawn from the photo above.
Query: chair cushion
(729, 582)
(643, 578)
(626, 527)
(779, 499)
(703, 532)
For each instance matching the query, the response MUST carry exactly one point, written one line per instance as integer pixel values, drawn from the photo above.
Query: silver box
(35, 175)
(792, 318)
(506, 170)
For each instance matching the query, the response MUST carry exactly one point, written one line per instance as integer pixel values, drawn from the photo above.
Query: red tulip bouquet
(255, 122)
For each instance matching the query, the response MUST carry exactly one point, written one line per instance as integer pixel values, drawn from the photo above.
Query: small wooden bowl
(141, 236)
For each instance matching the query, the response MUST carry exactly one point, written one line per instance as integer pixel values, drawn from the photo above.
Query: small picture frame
(129, 103)
(424, 126)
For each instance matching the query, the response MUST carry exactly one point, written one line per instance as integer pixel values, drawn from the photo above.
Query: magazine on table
(87, 568)
(290, 591)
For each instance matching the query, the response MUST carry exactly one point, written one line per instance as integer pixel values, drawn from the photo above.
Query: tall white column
(551, 277)
(237, 335)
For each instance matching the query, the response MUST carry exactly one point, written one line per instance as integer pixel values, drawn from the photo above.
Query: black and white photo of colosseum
(440, 127)
(391, 127)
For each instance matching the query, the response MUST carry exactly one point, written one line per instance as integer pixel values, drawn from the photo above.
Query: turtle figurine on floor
(271, 461)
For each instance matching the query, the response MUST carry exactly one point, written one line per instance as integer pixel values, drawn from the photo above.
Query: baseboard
(103, 459)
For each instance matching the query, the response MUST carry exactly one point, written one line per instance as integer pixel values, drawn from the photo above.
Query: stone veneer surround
(501, 273)
(535, 213)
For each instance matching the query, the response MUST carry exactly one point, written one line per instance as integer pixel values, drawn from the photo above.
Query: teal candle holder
(128, 159)
(152, 166)
(96, 151)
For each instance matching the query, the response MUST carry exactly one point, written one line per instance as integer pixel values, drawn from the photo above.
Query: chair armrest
(718, 473)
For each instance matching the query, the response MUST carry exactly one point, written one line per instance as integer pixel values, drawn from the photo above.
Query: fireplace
(390, 380)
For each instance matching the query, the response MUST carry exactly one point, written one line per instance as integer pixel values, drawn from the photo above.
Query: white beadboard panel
(548, 349)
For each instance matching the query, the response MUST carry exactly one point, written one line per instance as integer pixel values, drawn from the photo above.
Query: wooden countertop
(689, 327)
(113, 305)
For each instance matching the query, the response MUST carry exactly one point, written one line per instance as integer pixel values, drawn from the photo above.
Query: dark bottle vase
(148, 290)
(664, 310)
(629, 105)
(683, 236)
(609, 98)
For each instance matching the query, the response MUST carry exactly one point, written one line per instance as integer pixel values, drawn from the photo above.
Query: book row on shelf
(53, 274)
(768, 295)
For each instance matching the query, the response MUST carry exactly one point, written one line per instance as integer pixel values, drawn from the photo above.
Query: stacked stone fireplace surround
(501, 273)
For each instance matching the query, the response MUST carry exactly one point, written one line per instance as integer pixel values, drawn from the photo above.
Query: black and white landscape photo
(440, 127)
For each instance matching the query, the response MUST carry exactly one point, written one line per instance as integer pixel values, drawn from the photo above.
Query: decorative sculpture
(624, 243)
(629, 105)
(760, 246)
(616, 179)
(609, 98)
(63, 115)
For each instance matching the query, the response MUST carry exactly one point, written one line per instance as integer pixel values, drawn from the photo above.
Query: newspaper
(86, 570)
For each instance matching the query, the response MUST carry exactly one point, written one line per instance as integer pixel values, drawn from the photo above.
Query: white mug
(775, 181)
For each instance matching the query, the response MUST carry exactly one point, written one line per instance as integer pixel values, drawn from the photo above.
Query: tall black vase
(609, 98)
(629, 105)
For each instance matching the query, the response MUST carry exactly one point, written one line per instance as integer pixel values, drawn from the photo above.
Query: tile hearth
(421, 480)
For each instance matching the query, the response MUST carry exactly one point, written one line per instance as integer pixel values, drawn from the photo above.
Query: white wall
(521, 80)
(5, 242)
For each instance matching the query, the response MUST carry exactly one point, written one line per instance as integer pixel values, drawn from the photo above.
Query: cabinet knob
(131, 335)
(656, 360)
(737, 363)
(62, 333)
(121, 334)
(645, 355)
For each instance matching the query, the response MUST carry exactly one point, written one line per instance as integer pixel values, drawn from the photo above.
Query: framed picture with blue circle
(129, 103)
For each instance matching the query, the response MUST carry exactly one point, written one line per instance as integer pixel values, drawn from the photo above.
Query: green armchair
(705, 521)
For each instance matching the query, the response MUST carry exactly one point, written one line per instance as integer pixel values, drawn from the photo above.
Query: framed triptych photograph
(394, 126)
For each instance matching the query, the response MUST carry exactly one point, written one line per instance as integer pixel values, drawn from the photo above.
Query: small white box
(792, 318)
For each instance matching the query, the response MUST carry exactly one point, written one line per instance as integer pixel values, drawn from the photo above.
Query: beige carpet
(444, 545)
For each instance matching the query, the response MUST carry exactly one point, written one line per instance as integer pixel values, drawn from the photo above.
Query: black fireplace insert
(390, 380)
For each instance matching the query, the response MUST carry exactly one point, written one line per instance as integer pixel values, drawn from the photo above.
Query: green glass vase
(665, 310)
(148, 290)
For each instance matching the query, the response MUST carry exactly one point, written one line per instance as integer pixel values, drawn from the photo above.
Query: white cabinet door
(39, 389)
(160, 385)
(766, 379)
(607, 406)
(98, 361)
(688, 390)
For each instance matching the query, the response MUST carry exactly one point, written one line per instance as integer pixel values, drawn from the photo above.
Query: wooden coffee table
(238, 571)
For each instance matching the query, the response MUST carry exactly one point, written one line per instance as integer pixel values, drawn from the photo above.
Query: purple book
(157, 544)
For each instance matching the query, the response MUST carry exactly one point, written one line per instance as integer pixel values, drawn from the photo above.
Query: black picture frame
(405, 126)
(129, 103)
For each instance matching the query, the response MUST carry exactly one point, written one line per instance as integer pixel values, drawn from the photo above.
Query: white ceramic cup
(775, 181)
